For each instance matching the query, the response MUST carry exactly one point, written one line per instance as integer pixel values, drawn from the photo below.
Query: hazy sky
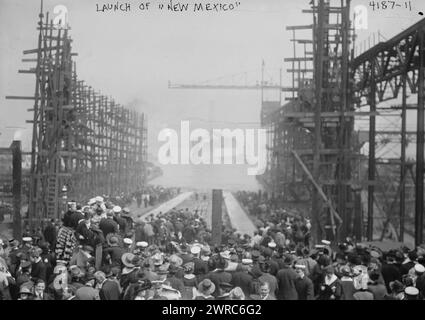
(132, 56)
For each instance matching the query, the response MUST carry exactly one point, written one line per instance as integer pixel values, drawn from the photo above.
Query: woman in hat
(25, 293)
(205, 290)
(141, 291)
(347, 283)
(189, 281)
(130, 270)
(330, 288)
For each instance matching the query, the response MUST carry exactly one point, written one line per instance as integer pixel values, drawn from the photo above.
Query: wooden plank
(298, 59)
(31, 71)
(319, 189)
(299, 70)
(335, 114)
(19, 98)
(310, 26)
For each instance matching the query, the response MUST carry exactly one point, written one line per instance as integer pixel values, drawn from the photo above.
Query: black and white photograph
(230, 151)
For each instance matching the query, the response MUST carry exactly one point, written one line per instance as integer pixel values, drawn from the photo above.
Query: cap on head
(116, 209)
(272, 244)
(128, 241)
(142, 244)
(326, 242)
(411, 291)
(195, 250)
(419, 268)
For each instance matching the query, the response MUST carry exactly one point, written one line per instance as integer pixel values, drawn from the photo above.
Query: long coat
(243, 280)
(304, 288)
(286, 278)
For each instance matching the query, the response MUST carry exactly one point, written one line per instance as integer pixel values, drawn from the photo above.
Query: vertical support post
(403, 159)
(357, 217)
(17, 188)
(372, 160)
(318, 34)
(216, 218)
(419, 207)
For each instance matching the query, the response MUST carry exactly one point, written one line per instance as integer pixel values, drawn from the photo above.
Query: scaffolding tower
(83, 144)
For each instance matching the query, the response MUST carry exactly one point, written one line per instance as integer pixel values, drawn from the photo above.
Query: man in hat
(127, 244)
(200, 266)
(122, 224)
(126, 215)
(13, 259)
(243, 278)
(172, 278)
(411, 293)
(140, 249)
(100, 204)
(420, 279)
(185, 253)
(26, 245)
(218, 274)
(303, 284)
(286, 278)
(306, 260)
(390, 272)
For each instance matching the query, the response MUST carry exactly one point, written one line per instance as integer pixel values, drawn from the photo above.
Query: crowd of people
(102, 251)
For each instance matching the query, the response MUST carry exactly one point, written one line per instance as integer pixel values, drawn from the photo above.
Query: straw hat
(206, 287)
(127, 259)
